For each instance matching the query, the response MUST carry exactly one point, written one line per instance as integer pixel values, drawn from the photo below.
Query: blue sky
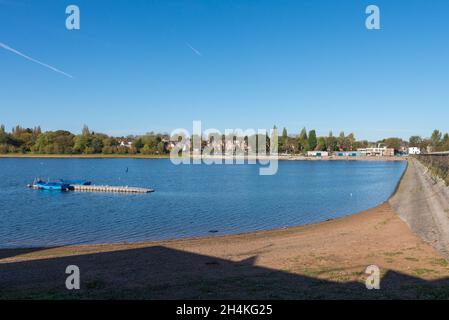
(145, 65)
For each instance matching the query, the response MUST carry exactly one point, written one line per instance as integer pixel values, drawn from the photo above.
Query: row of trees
(437, 142)
(25, 140)
(309, 141)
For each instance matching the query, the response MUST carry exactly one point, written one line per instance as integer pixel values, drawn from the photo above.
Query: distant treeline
(27, 140)
(309, 141)
(33, 140)
(437, 142)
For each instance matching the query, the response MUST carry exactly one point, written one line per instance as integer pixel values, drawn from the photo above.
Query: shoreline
(211, 237)
(208, 238)
(167, 156)
(319, 261)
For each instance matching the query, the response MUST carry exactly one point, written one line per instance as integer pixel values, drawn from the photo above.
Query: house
(125, 143)
(171, 144)
(414, 150)
(317, 153)
(376, 152)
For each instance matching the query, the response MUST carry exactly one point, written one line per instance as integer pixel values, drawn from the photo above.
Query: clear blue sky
(145, 65)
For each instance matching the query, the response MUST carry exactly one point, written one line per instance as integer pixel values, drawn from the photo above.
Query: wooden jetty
(121, 189)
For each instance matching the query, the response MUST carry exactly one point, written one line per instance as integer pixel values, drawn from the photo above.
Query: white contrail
(194, 50)
(4, 46)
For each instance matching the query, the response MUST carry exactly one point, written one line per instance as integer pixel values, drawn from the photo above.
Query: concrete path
(423, 203)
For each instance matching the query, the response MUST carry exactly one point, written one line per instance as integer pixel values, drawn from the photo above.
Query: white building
(379, 152)
(414, 150)
(125, 143)
(317, 153)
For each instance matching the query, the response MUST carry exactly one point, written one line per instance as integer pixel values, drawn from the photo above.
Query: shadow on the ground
(9, 253)
(165, 273)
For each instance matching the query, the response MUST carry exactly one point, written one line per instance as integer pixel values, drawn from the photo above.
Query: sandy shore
(322, 261)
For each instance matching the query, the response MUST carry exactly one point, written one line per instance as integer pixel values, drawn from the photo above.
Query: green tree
(146, 150)
(435, 139)
(284, 133)
(96, 144)
(415, 141)
(138, 144)
(283, 141)
(161, 147)
(321, 144)
(393, 143)
(4, 136)
(361, 144)
(81, 143)
(110, 142)
(312, 140)
(342, 142)
(303, 144)
(57, 142)
(445, 143)
(331, 142)
(350, 140)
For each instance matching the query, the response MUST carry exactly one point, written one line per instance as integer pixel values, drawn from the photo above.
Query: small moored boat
(53, 186)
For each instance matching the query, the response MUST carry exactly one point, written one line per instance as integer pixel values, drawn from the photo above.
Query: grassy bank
(424, 206)
(438, 165)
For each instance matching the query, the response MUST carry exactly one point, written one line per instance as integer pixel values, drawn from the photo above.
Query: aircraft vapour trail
(6, 47)
(194, 50)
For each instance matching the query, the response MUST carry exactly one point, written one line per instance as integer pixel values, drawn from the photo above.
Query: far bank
(167, 156)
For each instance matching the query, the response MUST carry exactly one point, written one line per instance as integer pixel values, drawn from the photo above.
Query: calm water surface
(189, 200)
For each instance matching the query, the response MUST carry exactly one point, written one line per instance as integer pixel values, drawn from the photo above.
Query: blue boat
(53, 186)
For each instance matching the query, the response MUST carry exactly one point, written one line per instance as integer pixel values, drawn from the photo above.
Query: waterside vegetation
(438, 165)
(34, 141)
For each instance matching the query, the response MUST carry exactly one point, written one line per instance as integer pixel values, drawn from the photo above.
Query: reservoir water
(190, 200)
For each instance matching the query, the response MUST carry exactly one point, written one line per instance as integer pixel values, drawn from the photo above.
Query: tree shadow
(165, 273)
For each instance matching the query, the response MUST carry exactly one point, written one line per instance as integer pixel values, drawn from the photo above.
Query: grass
(439, 262)
(392, 254)
(423, 271)
(438, 167)
(411, 259)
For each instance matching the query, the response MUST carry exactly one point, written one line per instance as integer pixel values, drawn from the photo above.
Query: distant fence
(438, 164)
